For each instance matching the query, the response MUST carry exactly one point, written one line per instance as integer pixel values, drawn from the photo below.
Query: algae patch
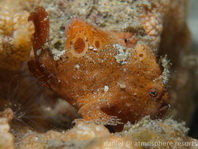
(122, 53)
(166, 72)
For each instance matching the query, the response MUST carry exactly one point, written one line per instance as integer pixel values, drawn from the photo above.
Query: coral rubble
(146, 133)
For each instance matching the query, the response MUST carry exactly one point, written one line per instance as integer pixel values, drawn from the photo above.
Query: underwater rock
(146, 133)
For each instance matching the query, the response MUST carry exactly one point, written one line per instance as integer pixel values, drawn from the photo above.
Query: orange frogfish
(108, 76)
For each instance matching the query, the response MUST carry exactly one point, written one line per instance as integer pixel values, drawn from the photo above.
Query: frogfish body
(107, 80)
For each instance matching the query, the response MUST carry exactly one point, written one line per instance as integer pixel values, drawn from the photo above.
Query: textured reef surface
(95, 74)
(146, 133)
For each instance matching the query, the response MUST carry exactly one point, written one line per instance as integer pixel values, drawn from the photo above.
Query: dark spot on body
(79, 45)
(97, 44)
(141, 55)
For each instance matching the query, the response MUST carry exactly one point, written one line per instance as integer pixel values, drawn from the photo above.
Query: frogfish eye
(153, 92)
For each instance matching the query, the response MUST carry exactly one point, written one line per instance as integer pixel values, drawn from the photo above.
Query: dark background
(193, 25)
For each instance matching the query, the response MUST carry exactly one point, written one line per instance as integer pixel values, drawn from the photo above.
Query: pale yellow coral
(146, 133)
(15, 38)
(7, 139)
